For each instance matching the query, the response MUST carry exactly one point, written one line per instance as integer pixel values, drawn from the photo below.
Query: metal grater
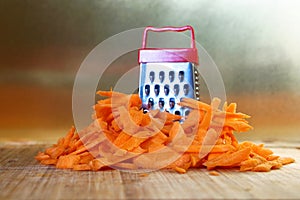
(167, 75)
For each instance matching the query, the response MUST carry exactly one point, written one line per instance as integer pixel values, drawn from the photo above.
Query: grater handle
(169, 28)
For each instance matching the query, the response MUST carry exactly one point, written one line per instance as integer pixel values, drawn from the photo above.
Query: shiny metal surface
(168, 83)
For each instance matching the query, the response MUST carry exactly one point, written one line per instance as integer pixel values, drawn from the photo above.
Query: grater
(168, 74)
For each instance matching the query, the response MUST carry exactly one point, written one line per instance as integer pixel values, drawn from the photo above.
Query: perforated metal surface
(162, 85)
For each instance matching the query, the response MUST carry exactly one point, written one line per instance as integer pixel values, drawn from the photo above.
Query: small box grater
(168, 74)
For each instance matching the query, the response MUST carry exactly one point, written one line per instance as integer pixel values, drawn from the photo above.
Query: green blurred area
(255, 45)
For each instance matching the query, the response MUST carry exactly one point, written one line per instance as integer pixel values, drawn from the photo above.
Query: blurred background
(254, 43)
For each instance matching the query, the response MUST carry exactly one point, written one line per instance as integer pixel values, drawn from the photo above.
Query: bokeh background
(254, 43)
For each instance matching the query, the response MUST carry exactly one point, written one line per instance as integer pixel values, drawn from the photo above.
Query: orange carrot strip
(67, 161)
(96, 142)
(214, 173)
(126, 121)
(239, 126)
(155, 146)
(82, 167)
(55, 152)
(96, 164)
(111, 135)
(192, 120)
(68, 137)
(115, 125)
(174, 130)
(272, 157)
(78, 144)
(42, 156)
(231, 108)
(231, 115)
(60, 142)
(204, 124)
(78, 151)
(138, 150)
(86, 159)
(212, 156)
(211, 148)
(49, 161)
(133, 142)
(111, 117)
(183, 161)
(136, 115)
(103, 110)
(145, 120)
(135, 101)
(260, 150)
(123, 137)
(195, 160)
(192, 103)
(159, 138)
(180, 170)
(286, 161)
(249, 164)
(275, 164)
(264, 167)
(229, 159)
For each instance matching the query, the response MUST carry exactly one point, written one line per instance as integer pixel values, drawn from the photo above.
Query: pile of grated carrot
(123, 136)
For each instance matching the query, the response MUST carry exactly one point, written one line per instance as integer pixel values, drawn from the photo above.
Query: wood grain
(24, 178)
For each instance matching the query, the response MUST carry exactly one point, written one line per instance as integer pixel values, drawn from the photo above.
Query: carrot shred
(82, 167)
(86, 158)
(96, 164)
(41, 156)
(55, 152)
(50, 161)
(286, 161)
(214, 173)
(67, 161)
(180, 170)
(229, 159)
(122, 136)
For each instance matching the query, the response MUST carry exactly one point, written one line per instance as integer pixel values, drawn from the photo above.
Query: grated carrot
(121, 135)
(214, 173)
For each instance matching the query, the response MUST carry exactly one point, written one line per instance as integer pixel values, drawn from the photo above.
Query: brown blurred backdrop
(255, 45)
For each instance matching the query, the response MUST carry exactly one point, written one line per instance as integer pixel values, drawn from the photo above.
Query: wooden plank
(24, 178)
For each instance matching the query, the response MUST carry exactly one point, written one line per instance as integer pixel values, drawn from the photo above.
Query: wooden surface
(24, 178)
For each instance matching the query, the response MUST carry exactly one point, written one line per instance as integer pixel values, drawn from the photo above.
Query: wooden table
(22, 177)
